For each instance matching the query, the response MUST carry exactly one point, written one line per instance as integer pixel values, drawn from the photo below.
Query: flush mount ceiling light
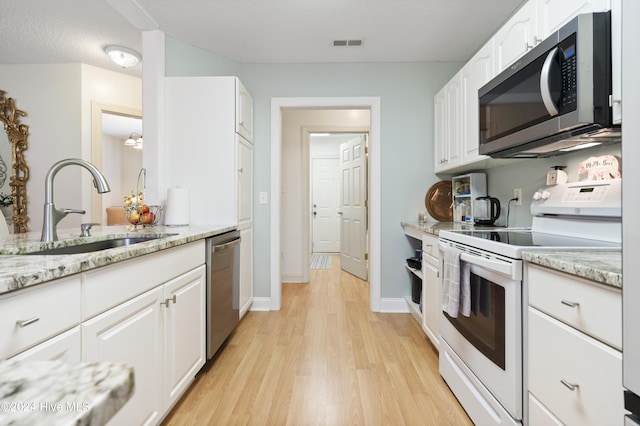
(123, 56)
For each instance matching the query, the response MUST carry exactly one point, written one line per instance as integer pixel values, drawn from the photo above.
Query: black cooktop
(527, 238)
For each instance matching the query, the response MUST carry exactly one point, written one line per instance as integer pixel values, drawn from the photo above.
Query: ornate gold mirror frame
(17, 134)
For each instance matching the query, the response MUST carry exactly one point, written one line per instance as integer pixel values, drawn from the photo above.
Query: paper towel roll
(177, 212)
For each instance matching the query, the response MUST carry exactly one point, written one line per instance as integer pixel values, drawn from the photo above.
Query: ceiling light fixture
(123, 56)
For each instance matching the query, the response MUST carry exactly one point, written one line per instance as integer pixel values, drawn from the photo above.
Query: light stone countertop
(18, 271)
(57, 393)
(602, 266)
(435, 227)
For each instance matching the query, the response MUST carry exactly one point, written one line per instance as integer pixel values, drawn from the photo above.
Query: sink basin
(96, 245)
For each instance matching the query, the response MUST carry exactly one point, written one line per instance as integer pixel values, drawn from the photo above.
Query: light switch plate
(264, 198)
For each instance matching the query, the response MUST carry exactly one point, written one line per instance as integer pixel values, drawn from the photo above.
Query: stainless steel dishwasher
(223, 285)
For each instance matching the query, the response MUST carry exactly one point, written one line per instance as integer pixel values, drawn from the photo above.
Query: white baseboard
(261, 304)
(389, 305)
(395, 305)
(292, 278)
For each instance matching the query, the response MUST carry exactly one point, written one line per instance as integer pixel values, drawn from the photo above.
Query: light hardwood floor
(324, 359)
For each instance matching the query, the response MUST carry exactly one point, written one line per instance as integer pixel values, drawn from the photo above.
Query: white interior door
(325, 196)
(353, 204)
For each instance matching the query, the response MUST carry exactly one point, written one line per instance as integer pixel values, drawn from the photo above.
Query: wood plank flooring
(324, 359)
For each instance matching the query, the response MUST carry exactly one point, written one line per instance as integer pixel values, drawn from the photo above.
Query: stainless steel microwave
(555, 98)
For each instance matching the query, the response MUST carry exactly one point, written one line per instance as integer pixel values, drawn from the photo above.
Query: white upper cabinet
(244, 112)
(553, 14)
(447, 124)
(516, 37)
(477, 72)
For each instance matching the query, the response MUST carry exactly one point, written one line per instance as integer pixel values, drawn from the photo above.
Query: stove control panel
(589, 198)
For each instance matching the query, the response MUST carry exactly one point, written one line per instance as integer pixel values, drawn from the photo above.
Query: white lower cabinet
(246, 270)
(430, 301)
(574, 363)
(161, 333)
(132, 333)
(184, 332)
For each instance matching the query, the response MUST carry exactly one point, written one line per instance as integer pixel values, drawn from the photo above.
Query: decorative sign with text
(601, 168)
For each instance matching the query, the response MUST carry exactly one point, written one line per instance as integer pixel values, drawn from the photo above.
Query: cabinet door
(515, 37)
(63, 347)
(132, 333)
(246, 270)
(553, 14)
(184, 315)
(244, 156)
(244, 111)
(447, 125)
(477, 72)
(431, 301)
(440, 130)
(454, 94)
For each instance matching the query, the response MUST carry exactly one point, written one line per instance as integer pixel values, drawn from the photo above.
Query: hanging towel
(451, 281)
(456, 290)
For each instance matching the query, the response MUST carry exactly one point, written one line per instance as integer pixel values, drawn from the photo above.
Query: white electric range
(481, 355)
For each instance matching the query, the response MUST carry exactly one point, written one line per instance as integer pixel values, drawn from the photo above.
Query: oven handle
(503, 268)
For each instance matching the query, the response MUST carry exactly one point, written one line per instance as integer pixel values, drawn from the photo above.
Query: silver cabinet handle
(569, 303)
(167, 301)
(24, 323)
(570, 386)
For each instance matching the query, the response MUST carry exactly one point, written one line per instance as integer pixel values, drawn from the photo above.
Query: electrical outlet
(517, 193)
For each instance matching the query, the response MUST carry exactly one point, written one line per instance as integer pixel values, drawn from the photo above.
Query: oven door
(489, 341)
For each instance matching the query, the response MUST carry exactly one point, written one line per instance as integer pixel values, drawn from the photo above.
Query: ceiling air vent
(347, 43)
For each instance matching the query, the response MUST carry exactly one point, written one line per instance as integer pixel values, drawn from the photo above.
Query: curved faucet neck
(52, 215)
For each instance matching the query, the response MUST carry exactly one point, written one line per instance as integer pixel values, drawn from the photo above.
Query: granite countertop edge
(19, 271)
(601, 266)
(60, 393)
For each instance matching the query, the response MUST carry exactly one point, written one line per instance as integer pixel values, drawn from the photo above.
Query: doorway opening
(289, 224)
(338, 196)
(111, 125)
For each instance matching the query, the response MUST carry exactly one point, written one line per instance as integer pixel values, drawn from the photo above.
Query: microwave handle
(545, 87)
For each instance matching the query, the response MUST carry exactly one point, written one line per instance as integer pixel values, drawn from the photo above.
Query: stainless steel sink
(96, 245)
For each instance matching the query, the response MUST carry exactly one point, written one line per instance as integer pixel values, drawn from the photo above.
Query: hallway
(323, 359)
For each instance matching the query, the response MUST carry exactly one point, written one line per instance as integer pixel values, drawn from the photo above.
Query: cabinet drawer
(63, 347)
(595, 309)
(539, 415)
(559, 353)
(53, 307)
(109, 286)
(430, 245)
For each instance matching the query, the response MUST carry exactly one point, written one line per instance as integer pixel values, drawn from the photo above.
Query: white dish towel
(456, 289)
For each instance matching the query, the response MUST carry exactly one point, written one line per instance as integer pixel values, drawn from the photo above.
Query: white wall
(50, 95)
(295, 179)
(57, 99)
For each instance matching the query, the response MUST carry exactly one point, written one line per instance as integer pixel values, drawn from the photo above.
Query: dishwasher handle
(226, 245)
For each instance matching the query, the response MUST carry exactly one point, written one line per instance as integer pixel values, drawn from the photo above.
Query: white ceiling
(252, 31)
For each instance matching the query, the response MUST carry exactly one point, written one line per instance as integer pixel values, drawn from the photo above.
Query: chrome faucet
(52, 215)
